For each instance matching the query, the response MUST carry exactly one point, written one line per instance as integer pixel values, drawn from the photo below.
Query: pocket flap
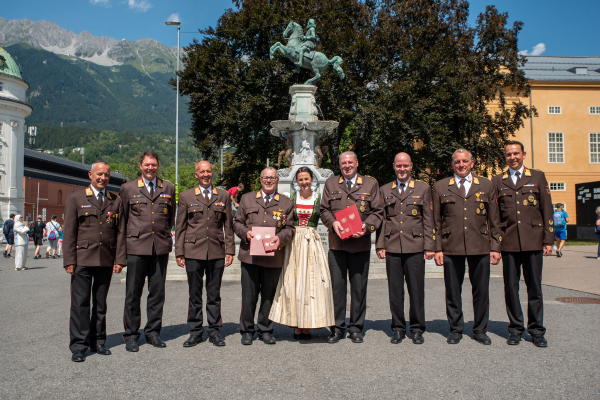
(448, 200)
(133, 232)
(190, 239)
(138, 200)
(82, 244)
(418, 202)
(251, 210)
(194, 209)
(483, 229)
(336, 197)
(537, 222)
(87, 211)
(219, 208)
(503, 224)
(417, 232)
(445, 231)
(530, 189)
(505, 194)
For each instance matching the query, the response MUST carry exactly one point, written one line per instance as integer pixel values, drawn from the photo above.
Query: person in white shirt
(52, 227)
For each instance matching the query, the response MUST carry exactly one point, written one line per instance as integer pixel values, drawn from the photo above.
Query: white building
(13, 111)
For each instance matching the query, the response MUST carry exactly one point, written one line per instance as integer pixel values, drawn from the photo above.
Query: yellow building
(564, 140)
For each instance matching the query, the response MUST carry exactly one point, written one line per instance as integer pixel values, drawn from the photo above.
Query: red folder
(269, 246)
(350, 220)
(256, 244)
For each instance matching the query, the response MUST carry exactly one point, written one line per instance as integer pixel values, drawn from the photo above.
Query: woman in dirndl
(304, 298)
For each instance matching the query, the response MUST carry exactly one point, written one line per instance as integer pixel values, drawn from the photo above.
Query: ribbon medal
(525, 202)
(531, 199)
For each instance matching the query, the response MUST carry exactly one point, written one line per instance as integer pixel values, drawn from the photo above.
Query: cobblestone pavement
(34, 312)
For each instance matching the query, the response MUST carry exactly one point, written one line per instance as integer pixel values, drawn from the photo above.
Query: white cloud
(139, 5)
(174, 18)
(538, 50)
(103, 3)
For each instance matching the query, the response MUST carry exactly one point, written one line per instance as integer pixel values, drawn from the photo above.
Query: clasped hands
(337, 227)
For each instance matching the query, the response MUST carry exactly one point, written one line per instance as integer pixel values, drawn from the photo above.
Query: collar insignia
(411, 184)
(475, 180)
(197, 190)
(214, 190)
(276, 197)
(89, 192)
(341, 179)
(359, 180)
(395, 184)
(159, 182)
(140, 183)
(258, 194)
(451, 182)
(108, 196)
(505, 175)
(527, 172)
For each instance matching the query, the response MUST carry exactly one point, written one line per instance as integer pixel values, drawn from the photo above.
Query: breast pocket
(505, 199)
(336, 202)
(194, 213)
(85, 214)
(448, 205)
(219, 212)
(531, 194)
(165, 206)
(414, 207)
(390, 207)
(252, 216)
(136, 205)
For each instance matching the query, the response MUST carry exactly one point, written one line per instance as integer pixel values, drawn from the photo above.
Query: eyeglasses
(268, 178)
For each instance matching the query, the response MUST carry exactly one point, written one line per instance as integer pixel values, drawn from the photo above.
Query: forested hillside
(76, 92)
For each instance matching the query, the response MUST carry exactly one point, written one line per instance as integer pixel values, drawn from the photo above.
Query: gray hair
(347, 152)
(462, 151)
(598, 211)
(99, 162)
(268, 168)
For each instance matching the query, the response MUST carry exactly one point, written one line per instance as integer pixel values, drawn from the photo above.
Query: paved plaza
(34, 313)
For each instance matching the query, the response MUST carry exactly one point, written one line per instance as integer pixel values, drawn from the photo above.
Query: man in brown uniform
(351, 256)
(528, 233)
(405, 239)
(94, 248)
(467, 227)
(149, 214)
(202, 248)
(261, 274)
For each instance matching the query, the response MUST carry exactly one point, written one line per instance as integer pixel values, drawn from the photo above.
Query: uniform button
(401, 222)
(517, 202)
(207, 218)
(100, 223)
(207, 237)
(348, 198)
(265, 213)
(207, 227)
(194, 210)
(186, 240)
(400, 231)
(152, 203)
(465, 209)
(465, 199)
(264, 222)
(101, 233)
(76, 247)
(153, 221)
(465, 217)
(400, 203)
(519, 221)
(100, 244)
(518, 212)
(465, 228)
(152, 232)
(152, 212)
(208, 208)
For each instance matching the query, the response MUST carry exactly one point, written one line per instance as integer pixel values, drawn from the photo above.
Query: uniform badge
(140, 183)
(394, 185)
(451, 182)
(372, 228)
(483, 211)
(279, 224)
(362, 209)
(218, 216)
(109, 217)
(359, 181)
(481, 205)
(89, 192)
(550, 222)
(197, 191)
(530, 198)
(551, 229)
(362, 203)
(214, 190)
(477, 195)
(433, 237)
(276, 197)
(499, 238)
(527, 172)
(478, 211)
(411, 184)
(166, 210)
(414, 212)
(535, 202)
(525, 202)
(475, 180)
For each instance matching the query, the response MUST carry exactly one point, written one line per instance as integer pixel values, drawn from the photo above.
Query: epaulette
(369, 176)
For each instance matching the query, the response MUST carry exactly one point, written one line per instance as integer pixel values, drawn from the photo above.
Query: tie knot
(206, 191)
(518, 174)
(151, 184)
(100, 194)
(462, 181)
(402, 185)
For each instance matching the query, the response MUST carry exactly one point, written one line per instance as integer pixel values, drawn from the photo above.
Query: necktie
(151, 189)
(518, 174)
(349, 184)
(206, 195)
(101, 198)
(402, 185)
(463, 191)
(267, 199)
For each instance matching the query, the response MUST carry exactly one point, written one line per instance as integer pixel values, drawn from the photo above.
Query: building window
(555, 148)
(594, 148)
(595, 110)
(557, 186)
(553, 109)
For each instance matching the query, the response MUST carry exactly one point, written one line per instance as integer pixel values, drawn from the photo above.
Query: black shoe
(356, 337)
(193, 340)
(454, 338)
(267, 338)
(335, 336)
(298, 336)
(78, 356)
(397, 337)
(418, 338)
(513, 339)
(101, 349)
(132, 345)
(156, 341)
(217, 340)
(482, 338)
(247, 338)
(306, 336)
(540, 341)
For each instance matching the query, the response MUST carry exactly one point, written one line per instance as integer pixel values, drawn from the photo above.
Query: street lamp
(176, 115)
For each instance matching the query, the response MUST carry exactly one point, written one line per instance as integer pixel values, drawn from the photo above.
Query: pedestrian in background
(22, 241)
(233, 194)
(561, 218)
(38, 236)
(52, 233)
(598, 229)
(9, 235)
(60, 242)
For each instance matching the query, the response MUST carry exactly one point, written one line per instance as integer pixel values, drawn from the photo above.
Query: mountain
(146, 55)
(77, 92)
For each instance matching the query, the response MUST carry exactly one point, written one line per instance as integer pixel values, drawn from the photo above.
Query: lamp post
(176, 115)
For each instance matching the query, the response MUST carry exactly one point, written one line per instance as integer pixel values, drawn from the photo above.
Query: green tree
(418, 79)
(186, 176)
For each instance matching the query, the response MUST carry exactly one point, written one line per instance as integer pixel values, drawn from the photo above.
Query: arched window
(59, 198)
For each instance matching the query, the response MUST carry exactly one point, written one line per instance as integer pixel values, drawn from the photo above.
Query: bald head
(203, 165)
(402, 166)
(204, 174)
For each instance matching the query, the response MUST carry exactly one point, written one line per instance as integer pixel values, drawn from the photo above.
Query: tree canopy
(419, 79)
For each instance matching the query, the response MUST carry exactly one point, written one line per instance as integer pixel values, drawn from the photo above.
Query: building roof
(546, 68)
(47, 159)
(8, 66)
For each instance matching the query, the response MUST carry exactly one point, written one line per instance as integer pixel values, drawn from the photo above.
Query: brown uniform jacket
(199, 229)
(336, 197)
(93, 236)
(148, 220)
(407, 225)
(466, 226)
(252, 212)
(525, 211)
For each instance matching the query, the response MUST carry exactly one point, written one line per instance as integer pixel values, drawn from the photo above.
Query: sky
(551, 27)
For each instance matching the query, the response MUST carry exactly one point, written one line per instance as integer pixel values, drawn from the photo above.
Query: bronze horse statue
(319, 62)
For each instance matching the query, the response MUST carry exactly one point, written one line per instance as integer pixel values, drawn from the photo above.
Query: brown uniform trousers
(148, 220)
(94, 241)
(260, 275)
(466, 229)
(351, 256)
(200, 239)
(405, 233)
(527, 225)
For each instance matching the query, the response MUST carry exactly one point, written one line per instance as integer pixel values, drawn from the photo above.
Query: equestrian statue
(300, 50)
